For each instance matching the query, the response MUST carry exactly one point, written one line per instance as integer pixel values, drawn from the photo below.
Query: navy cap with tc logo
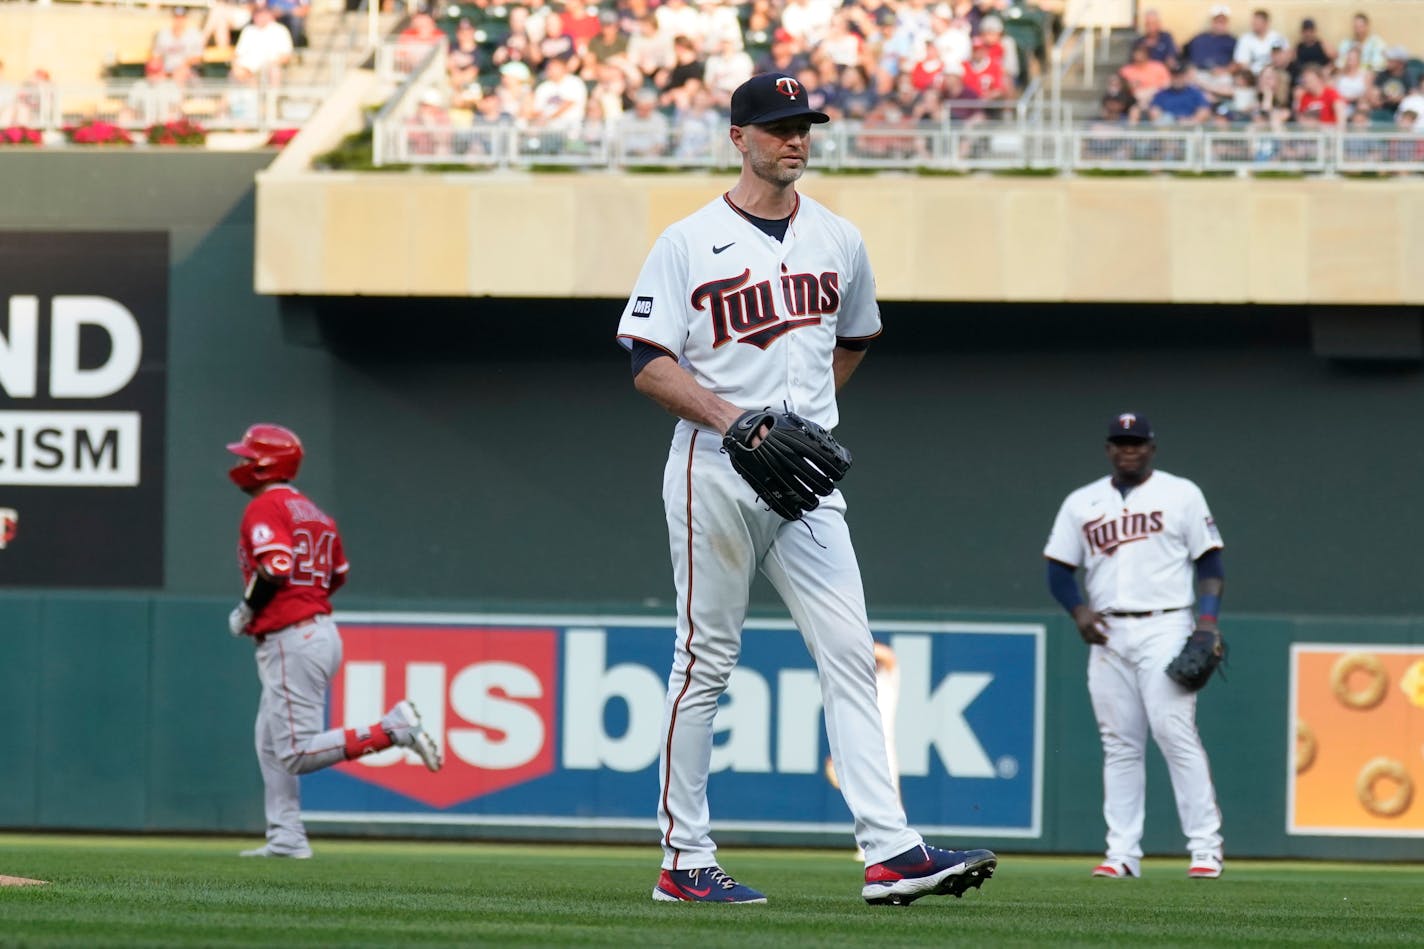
(1130, 425)
(771, 97)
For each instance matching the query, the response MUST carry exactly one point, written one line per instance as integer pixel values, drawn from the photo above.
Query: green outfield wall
(491, 454)
(134, 713)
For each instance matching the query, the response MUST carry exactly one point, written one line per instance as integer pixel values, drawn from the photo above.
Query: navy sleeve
(1209, 565)
(644, 353)
(1063, 585)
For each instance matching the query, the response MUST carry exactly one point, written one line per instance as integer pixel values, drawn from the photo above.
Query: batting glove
(238, 619)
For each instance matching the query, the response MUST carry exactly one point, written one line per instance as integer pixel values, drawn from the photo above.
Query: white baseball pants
(1133, 696)
(720, 535)
(296, 665)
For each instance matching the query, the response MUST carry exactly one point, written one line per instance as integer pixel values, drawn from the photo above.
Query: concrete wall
(73, 41)
(1157, 240)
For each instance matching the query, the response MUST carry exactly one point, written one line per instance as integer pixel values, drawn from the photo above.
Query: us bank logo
(556, 721)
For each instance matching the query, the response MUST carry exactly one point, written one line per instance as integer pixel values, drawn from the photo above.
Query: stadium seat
(125, 70)
(1026, 26)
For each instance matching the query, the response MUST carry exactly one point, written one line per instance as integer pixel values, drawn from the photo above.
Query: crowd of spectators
(1261, 79)
(246, 43)
(663, 73)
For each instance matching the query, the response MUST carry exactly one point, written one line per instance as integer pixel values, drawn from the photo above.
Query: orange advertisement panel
(1357, 739)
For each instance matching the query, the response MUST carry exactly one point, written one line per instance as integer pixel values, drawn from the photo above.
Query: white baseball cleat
(403, 724)
(266, 851)
(1205, 866)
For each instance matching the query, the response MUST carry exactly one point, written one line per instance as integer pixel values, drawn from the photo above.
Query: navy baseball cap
(771, 97)
(1130, 425)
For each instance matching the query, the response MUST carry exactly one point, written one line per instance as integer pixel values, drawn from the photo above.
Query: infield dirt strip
(20, 881)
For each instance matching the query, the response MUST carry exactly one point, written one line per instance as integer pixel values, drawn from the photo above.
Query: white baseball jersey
(756, 321)
(1138, 551)
(753, 319)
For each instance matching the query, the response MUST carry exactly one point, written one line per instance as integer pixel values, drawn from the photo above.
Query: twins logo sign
(555, 721)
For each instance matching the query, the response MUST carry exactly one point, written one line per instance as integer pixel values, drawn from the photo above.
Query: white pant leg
(713, 540)
(1122, 725)
(281, 791)
(813, 567)
(1171, 710)
(296, 665)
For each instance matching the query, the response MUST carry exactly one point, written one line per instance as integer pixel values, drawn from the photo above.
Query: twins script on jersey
(1138, 552)
(292, 538)
(753, 319)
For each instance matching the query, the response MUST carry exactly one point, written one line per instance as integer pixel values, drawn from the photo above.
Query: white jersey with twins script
(753, 319)
(1137, 551)
(756, 321)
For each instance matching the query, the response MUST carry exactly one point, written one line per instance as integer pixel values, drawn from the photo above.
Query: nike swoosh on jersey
(718, 250)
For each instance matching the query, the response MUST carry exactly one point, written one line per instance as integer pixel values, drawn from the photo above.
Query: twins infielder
(765, 298)
(291, 558)
(1140, 535)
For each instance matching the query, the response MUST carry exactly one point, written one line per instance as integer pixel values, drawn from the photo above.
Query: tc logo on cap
(1127, 420)
(788, 87)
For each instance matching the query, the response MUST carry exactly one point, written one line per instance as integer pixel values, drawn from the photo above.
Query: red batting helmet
(270, 453)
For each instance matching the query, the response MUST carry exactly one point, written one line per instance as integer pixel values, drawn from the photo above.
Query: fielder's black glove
(1203, 652)
(795, 464)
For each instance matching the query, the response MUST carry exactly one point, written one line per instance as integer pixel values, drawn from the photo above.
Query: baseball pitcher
(748, 316)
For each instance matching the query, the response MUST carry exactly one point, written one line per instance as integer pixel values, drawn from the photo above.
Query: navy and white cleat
(703, 885)
(924, 871)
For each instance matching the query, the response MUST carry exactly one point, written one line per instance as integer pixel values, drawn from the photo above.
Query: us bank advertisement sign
(555, 721)
(83, 358)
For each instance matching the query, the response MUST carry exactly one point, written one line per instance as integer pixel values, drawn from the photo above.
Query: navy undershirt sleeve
(1063, 585)
(644, 353)
(1209, 565)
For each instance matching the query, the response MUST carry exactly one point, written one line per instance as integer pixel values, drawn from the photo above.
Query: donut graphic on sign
(9, 525)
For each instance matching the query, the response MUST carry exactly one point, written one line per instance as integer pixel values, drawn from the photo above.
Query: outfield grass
(107, 891)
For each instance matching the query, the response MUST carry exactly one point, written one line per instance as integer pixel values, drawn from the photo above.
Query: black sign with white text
(83, 377)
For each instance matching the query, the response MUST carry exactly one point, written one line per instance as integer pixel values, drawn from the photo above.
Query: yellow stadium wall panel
(1084, 239)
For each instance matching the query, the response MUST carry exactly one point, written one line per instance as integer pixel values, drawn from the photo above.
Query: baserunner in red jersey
(292, 560)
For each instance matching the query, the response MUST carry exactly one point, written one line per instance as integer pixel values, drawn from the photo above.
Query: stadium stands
(957, 85)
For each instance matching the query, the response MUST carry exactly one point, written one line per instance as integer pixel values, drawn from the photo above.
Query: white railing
(398, 114)
(947, 147)
(214, 104)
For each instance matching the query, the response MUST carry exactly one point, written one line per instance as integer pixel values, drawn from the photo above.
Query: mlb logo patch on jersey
(643, 306)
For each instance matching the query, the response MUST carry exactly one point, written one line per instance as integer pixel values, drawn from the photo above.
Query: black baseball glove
(795, 464)
(1203, 652)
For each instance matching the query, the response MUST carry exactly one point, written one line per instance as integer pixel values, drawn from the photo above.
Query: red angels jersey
(1138, 552)
(292, 538)
(753, 319)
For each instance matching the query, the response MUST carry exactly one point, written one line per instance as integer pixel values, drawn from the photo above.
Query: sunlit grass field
(155, 891)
